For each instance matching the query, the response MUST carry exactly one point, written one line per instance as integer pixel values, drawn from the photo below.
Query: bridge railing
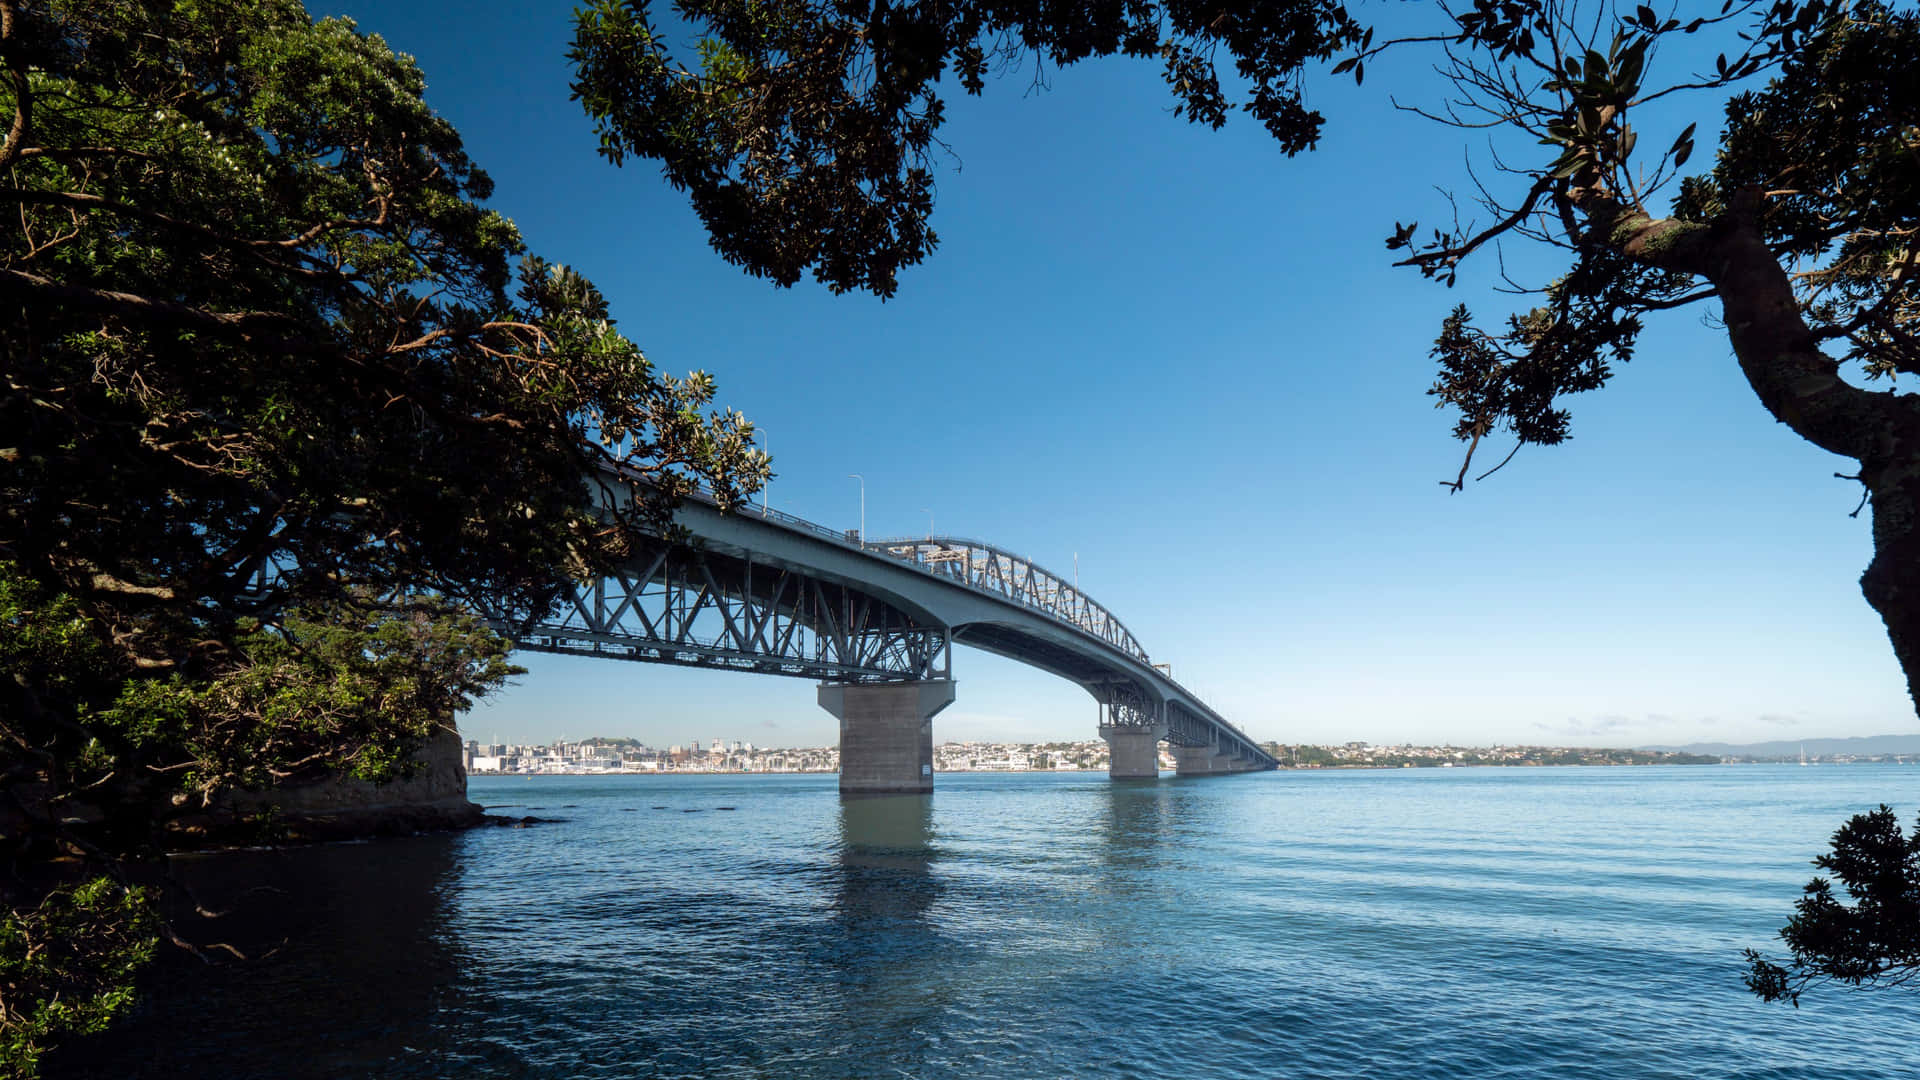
(998, 572)
(761, 510)
(1099, 622)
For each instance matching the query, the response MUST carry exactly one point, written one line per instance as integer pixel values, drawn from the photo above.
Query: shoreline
(1065, 772)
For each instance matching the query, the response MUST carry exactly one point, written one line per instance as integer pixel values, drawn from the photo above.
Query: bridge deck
(763, 591)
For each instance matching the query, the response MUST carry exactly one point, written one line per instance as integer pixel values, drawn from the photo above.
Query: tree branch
(22, 92)
(246, 326)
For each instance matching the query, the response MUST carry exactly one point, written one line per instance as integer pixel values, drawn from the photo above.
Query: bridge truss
(683, 605)
(691, 605)
(1002, 573)
(1125, 706)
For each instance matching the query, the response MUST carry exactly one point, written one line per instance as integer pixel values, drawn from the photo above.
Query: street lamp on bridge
(863, 503)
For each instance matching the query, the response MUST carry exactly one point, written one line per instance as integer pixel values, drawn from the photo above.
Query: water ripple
(1430, 925)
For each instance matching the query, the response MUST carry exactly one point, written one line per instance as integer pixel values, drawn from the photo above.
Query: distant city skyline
(1184, 361)
(625, 756)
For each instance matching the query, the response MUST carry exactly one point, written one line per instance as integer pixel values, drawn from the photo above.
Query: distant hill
(1791, 748)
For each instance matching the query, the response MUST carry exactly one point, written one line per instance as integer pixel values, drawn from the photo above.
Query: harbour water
(1472, 923)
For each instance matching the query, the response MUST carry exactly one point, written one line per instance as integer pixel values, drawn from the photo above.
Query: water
(1483, 923)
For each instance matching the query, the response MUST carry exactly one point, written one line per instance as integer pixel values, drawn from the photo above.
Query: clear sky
(1186, 358)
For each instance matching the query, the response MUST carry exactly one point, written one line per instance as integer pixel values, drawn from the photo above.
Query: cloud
(1779, 721)
(1598, 725)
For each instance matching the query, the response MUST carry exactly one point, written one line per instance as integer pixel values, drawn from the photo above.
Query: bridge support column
(886, 734)
(1200, 760)
(1132, 755)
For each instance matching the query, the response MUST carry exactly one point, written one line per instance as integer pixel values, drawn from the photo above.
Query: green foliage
(804, 134)
(1833, 138)
(1597, 200)
(1872, 941)
(274, 375)
(1304, 756)
(284, 406)
(1301, 755)
(67, 966)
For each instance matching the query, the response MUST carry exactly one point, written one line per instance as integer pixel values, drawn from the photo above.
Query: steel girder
(990, 569)
(1186, 727)
(682, 605)
(1126, 706)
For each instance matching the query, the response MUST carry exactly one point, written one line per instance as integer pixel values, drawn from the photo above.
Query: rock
(342, 807)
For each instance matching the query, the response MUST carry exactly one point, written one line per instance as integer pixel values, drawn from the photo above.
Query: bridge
(875, 622)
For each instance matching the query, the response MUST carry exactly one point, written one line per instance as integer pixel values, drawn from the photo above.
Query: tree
(802, 134)
(1873, 942)
(805, 135)
(280, 415)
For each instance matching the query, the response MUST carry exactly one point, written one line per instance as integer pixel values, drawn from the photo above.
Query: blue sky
(1187, 358)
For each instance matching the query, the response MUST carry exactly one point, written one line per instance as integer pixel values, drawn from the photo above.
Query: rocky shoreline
(433, 799)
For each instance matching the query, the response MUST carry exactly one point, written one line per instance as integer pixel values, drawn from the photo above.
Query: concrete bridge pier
(1132, 755)
(1193, 760)
(886, 734)
(1203, 761)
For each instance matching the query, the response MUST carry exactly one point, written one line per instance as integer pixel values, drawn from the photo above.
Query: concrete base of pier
(886, 734)
(1204, 760)
(1132, 755)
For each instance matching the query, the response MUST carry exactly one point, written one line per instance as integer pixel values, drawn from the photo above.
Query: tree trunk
(1892, 581)
(1801, 386)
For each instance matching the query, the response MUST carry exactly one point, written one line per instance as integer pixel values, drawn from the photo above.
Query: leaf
(1347, 65)
(1632, 63)
(1682, 147)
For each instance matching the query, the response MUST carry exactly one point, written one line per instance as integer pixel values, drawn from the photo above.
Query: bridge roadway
(874, 622)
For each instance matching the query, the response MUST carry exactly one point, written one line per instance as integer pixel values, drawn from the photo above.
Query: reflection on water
(886, 824)
(886, 881)
(884, 944)
(1529, 924)
(321, 925)
(1136, 821)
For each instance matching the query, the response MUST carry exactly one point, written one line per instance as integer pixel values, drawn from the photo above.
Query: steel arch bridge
(760, 591)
